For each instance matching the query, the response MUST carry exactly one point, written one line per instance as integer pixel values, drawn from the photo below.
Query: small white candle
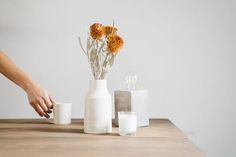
(127, 123)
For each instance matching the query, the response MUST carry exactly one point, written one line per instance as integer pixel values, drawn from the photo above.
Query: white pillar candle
(127, 123)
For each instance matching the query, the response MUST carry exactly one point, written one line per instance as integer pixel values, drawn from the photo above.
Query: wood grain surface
(38, 138)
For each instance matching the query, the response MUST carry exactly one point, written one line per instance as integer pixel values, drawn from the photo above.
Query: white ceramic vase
(98, 109)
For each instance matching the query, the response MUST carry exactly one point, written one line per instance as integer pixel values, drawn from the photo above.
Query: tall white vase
(98, 108)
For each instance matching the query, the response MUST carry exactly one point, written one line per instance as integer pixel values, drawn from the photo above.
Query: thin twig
(82, 46)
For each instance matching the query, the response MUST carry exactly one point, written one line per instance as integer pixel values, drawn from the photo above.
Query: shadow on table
(51, 130)
(57, 130)
(70, 130)
(34, 121)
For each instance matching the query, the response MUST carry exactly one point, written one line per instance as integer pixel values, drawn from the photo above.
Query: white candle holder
(133, 101)
(127, 123)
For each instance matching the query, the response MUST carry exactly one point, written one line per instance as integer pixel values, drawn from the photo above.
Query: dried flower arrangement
(103, 45)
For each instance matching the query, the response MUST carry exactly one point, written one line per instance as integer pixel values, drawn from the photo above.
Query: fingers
(44, 106)
(40, 107)
(52, 100)
(39, 110)
(48, 102)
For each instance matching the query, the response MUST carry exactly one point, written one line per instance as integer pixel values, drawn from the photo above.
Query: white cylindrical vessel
(98, 108)
(127, 123)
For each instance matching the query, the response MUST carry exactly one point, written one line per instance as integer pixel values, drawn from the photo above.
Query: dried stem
(86, 53)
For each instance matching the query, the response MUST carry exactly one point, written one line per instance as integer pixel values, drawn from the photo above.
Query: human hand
(38, 97)
(40, 100)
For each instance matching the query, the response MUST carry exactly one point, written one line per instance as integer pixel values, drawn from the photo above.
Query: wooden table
(37, 138)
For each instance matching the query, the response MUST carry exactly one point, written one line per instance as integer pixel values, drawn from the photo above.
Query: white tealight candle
(127, 123)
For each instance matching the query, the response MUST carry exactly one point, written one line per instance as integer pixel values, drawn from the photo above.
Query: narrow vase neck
(98, 84)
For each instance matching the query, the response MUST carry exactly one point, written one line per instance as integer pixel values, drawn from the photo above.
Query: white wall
(183, 51)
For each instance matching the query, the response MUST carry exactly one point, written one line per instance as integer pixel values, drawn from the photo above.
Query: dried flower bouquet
(103, 45)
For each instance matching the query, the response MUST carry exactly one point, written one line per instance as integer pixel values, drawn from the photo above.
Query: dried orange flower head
(114, 43)
(110, 30)
(96, 31)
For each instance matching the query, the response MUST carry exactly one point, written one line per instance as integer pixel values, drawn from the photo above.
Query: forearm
(38, 97)
(12, 72)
